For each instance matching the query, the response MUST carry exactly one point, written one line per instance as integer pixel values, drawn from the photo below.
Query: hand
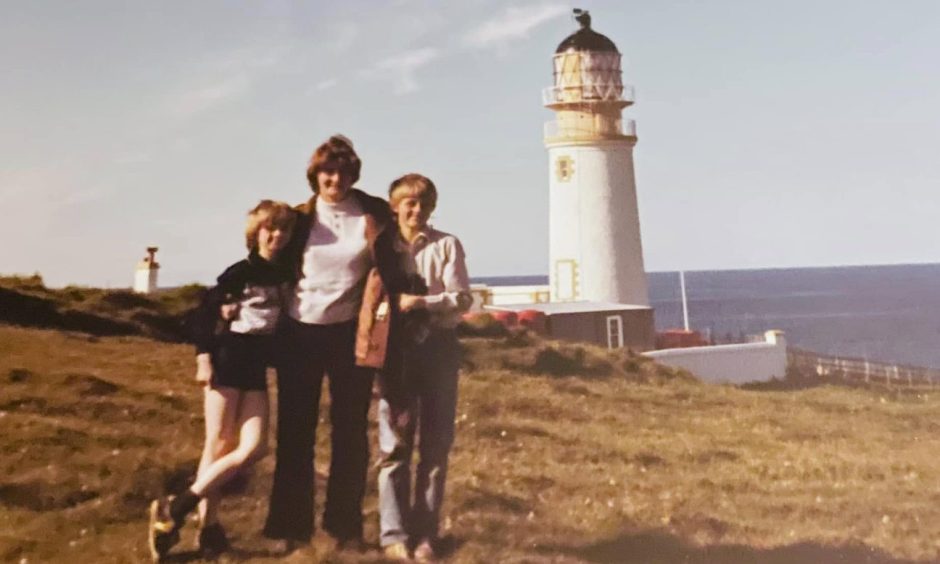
(408, 302)
(464, 301)
(229, 311)
(203, 369)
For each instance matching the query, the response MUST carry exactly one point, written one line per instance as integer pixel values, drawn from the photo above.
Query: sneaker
(424, 552)
(212, 541)
(397, 552)
(163, 533)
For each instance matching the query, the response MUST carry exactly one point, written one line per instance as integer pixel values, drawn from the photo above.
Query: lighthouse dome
(586, 39)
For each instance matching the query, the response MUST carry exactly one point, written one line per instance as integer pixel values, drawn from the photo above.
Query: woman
(341, 234)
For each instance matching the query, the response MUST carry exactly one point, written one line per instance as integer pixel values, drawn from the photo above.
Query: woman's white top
(335, 263)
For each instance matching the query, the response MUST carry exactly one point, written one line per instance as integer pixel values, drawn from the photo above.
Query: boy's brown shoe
(162, 533)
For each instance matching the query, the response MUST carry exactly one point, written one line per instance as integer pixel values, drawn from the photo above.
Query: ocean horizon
(886, 313)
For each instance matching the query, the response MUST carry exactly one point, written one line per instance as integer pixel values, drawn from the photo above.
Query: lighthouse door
(566, 280)
(614, 332)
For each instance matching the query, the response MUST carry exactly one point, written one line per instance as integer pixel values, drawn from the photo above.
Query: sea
(880, 313)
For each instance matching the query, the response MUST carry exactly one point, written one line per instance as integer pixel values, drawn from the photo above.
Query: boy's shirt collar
(420, 240)
(424, 234)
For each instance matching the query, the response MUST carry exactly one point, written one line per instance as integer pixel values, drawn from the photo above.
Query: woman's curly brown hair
(336, 152)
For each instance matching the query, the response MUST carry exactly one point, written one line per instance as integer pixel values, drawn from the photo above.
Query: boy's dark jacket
(205, 322)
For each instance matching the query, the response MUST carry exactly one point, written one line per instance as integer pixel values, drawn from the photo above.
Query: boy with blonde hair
(231, 365)
(426, 399)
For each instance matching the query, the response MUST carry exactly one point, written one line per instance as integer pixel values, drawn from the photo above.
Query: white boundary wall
(732, 364)
(484, 295)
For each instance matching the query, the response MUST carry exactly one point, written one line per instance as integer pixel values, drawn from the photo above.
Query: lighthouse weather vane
(583, 17)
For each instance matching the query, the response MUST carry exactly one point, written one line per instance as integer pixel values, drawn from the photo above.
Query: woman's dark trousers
(305, 353)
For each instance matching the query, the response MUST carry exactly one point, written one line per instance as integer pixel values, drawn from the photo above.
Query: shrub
(482, 325)
(17, 282)
(519, 337)
(552, 361)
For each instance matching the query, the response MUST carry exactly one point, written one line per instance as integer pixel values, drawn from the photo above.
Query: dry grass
(563, 453)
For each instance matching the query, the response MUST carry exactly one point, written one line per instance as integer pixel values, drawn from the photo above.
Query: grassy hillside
(563, 454)
(26, 301)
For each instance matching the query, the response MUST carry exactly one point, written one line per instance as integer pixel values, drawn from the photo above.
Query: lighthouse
(145, 275)
(597, 289)
(595, 250)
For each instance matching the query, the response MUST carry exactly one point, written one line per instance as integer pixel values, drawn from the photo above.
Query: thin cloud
(205, 97)
(232, 75)
(254, 58)
(42, 194)
(326, 84)
(402, 68)
(85, 195)
(342, 37)
(33, 185)
(516, 22)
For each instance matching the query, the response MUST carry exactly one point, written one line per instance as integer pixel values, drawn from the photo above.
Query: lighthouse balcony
(599, 128)
(563, 95)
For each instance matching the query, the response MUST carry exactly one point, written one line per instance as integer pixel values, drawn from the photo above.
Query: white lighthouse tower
(594, 245)
(145, 275)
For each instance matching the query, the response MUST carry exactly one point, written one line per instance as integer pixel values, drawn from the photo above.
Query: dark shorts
(241, 362)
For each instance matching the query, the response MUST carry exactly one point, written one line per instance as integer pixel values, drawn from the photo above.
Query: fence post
(867, 371)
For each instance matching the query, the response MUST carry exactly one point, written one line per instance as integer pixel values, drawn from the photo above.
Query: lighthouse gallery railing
(596, 128)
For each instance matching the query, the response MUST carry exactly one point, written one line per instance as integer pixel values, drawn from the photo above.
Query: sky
(771, 134)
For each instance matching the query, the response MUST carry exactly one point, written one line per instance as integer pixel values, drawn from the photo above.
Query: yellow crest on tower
(564, 168)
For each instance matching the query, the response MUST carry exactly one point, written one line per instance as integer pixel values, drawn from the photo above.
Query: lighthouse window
(564, 168)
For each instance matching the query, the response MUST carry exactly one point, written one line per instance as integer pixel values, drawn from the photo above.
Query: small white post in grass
(685, 302)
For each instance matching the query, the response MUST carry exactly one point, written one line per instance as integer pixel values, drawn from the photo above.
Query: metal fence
(862, 371)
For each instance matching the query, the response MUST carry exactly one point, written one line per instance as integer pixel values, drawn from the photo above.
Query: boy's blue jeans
(431, 372)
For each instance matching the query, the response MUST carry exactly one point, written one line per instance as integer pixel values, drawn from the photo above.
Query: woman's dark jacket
(381, 232)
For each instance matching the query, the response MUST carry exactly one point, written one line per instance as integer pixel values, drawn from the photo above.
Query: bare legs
(236, 437)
